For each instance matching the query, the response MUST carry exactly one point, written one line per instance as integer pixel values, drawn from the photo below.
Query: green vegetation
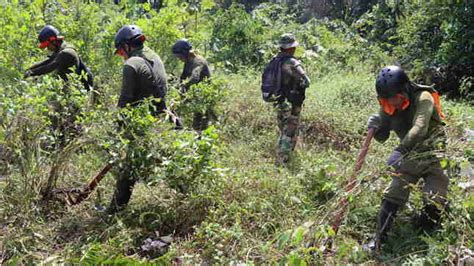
(237, 205)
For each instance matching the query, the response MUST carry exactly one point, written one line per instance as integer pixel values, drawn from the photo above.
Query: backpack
(87, 79)
(271, 78)
(85, 72)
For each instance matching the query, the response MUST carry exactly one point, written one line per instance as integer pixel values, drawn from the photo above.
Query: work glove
(27, 74)
(183, 88)
(373, 122)
(395, 159)
(305, 81)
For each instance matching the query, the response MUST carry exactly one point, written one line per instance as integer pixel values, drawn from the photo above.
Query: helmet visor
(289, 45)
(51, 39)
(44, 44)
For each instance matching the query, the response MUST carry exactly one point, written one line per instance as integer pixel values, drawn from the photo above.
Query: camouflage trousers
(411, 171)
(288, 116)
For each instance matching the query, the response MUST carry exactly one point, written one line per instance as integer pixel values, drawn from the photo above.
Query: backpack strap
(88, 80)
(436, 98)
(437, 104)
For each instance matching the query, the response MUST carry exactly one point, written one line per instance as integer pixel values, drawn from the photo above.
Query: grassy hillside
(241, 206)
(254, 211)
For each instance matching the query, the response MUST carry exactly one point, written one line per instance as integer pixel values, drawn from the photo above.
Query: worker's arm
(421, 122)
(42, 63)
(61, 62)
(380, 123)
(129, 86)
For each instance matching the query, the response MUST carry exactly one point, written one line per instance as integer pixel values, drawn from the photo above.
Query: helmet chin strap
(57, 43)
(127, 50)
(408, 90)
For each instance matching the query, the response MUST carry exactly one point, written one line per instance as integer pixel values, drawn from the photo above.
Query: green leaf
(283, 240)
(444, 163)
(298, 235)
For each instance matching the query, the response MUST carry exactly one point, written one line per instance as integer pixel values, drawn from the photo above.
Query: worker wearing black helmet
(196, 69)
(413, 112)
(63, 61)
(144, 77)
(64, 58)
(144, 74)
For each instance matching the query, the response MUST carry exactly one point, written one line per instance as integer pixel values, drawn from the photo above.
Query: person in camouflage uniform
(294, 82)
(413, 112)
(144, 76)
(196, 70)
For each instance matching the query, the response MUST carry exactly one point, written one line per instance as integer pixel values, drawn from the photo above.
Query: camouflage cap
(287, 41)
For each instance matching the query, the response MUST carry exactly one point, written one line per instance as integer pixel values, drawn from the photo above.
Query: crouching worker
(144, 76)
(413, 112)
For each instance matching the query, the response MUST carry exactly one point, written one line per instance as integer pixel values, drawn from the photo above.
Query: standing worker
(284, 83)
(196, 70)
(144, 76)
(414, 112)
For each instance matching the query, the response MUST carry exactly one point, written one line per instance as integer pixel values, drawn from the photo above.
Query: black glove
(395, 159)
(27, 74)
(373, 122)
(305, 82)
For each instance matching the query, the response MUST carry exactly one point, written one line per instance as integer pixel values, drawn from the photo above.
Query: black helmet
(390, 81)
(182, 46)
(45, 35)
(126, 34)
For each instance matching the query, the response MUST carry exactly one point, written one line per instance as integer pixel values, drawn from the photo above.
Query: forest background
(240, 207)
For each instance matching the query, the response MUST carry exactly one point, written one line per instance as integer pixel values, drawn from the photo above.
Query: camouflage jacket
(418, 127)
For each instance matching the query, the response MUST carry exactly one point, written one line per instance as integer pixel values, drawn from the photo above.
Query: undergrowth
(216, 197)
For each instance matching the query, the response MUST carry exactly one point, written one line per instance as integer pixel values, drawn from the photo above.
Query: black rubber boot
(122, 194)
(430, 218)
(387, 213)
(178, 124)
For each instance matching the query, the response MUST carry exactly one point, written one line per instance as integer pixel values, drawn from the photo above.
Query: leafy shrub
(236, 37)
(432, 40)
(204, 97)
(218, 193)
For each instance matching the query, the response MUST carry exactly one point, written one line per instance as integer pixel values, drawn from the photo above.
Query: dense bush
(433, 40)
(218, 194)
(237, 37)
